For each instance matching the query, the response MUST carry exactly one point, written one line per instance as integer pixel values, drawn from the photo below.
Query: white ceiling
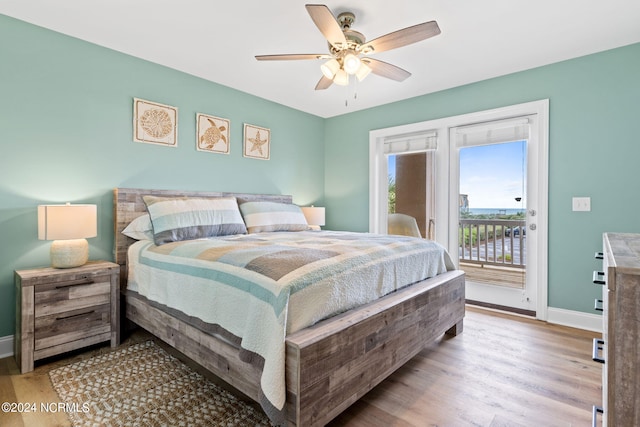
(217, 40)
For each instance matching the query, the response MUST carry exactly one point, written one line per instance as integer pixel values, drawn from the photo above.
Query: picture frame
(213, 134)
(257, 142)
(155, 123)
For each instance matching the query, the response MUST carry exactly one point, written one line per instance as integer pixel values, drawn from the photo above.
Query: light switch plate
(581, 204)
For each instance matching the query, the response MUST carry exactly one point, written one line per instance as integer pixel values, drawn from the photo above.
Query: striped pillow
(186, 218)
(272, 216)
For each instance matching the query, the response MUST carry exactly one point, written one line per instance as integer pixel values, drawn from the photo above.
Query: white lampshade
(330, 68)
(351, 63)
(341, 78)
(68, 225)
(314, 216)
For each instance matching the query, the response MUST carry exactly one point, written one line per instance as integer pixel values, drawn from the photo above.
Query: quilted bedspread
(260, 287)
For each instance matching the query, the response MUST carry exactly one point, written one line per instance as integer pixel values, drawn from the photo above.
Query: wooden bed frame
(330, 365)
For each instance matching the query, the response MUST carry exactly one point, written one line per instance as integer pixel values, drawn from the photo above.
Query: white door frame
(448, 236)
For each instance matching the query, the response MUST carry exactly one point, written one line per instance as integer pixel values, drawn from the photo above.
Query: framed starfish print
(257, 142)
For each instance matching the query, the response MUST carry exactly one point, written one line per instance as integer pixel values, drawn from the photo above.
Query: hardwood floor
(503, 370)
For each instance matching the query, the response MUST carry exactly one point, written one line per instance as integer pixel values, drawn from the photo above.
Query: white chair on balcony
(403, 225)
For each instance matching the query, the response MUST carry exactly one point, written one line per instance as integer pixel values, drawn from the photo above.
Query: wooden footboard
(334, 363)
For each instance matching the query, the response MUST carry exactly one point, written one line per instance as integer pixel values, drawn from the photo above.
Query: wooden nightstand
(59, 310)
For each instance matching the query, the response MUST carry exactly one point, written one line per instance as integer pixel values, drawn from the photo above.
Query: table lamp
(68, 226)
(314, 216)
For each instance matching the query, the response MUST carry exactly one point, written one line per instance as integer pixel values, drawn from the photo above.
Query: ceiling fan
(349, 50)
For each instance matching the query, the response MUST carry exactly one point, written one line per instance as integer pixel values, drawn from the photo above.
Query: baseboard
(575, 319)
(6, 346)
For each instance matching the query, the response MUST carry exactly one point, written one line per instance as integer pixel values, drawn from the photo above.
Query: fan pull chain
(346, 88)
(355, 91)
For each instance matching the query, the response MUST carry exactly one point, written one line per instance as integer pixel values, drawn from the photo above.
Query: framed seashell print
(213, 134)
(257, 142)
(155, 123)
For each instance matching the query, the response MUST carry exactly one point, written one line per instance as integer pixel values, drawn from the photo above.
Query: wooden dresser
(620, 345)
(59, 310)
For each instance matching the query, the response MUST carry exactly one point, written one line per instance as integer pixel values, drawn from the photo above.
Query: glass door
(450, 138)
(493, 222)
(411, 194)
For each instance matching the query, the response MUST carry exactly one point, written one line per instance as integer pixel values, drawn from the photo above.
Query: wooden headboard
(128, 205)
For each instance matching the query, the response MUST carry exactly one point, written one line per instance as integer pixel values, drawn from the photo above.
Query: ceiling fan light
(363, 71)
(330, 68)
(341, 78)
(351, 63)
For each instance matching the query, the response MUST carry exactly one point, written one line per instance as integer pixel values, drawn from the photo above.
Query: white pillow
(140, 228)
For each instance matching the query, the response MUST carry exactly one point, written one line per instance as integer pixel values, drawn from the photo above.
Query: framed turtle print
(155, 123)
(213, 134)
(257, 142)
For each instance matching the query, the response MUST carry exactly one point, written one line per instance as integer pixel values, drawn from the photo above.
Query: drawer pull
(594, 415)
(598, 305)
(79, 282)
(71, 316)
(596, 280)
(597, 347)
(599, 255)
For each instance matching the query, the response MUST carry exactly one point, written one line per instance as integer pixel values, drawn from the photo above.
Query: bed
(328, 365)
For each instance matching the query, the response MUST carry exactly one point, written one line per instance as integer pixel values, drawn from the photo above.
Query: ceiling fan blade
(403, 37)
(324, 83)
(387, 70)
(327, 24)
(292, 57)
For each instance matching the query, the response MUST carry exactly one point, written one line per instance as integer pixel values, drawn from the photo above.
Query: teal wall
(66, 135)
(594, 150)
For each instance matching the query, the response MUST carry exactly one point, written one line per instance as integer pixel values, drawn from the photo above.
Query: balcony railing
(496, 242)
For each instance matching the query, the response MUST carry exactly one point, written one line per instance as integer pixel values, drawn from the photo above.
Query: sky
(491, 175)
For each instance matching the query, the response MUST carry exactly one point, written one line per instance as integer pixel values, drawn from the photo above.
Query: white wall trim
(575, 319)
(6, 346)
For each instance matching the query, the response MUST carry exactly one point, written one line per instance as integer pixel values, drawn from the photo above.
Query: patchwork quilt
(261, 287)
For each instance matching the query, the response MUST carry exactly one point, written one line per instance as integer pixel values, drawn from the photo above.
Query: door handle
(532, 227)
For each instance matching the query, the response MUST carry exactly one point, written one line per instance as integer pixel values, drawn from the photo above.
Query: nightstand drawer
(61, 297)
(71, 325)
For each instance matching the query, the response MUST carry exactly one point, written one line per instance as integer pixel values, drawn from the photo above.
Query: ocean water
(492, 211)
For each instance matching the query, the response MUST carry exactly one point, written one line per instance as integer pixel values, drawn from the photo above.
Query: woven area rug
(143, 385)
